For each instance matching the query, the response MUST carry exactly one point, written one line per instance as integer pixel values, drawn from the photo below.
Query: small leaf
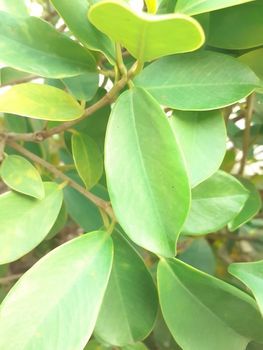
(32, 45)
(41, 102)
(153, 215)
(88, 159)
(215, 202)
(254, 60)
(20, 175)
(186, 81)
(55, 304)
(205, 313)
(25, 221)
(130, 305)
(202, 137)
(84, 86)
(15, 7)
(147, 37)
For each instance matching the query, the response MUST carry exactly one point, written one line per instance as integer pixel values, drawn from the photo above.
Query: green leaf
(153, 214)
(84, 86)
(223, 30)
(152, 6)
(251, 207)
(194, 7)
(56, 303)
(251, 274)
(194, 132)
(137, 346)
(186, 81)
(94, 345)
(254, 346)
(130, 305)
(15, 7)
(20, 175)
(10, 75)
(88, 159)
(147, 37)
(25, 221)
(59, 223)
(82, 28)
(32, 45)
(203, 312)
(41, 102)
(215, 202)
(254, 60)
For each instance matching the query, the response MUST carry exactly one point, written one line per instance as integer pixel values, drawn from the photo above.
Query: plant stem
(9, 279)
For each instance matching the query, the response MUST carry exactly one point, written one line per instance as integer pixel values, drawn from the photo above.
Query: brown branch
(233, 237)
(99, 202)
(9, 279)
(20, 81)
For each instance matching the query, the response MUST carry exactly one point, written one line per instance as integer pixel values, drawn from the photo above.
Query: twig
(231, 236)
(20, 81)
(9, 279)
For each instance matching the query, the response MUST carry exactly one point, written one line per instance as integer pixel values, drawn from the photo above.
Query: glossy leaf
(153, 215)
(84, 86)
(186, 81)
(88, 159)
(25, 221)
(130, 304)
(205, 313)
(56, 56)
(20, 175)
(223, 32)
(251, 274)
(67, 285)
(215, 202)
(15, 7)
(254, 60)
(82, 28)
(194, 132)
(164, 35)
(251, 207)
(41, 102)
(195, 7)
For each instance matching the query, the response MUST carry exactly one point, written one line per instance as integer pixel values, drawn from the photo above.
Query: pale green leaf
(205, 313)
(20, 175)
(15, 7)
(25, 221)
(254, 60)
(56, 303)
(149, 193)
(41, 102)
(32, 45)
(146, 36)
(130, 305)
(202, 80)
(59, 223)
(215, 202)
(84, 86)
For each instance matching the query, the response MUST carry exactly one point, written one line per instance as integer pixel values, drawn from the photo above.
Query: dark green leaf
(84, 86)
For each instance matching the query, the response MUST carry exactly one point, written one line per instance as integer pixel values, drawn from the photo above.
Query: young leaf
(32, 45)
(223, 32)
(15, 7)
(250, 209)
(202, 136)
(88, 159)
(186, 81)
(56, 303)
(251, 274)
(20, 175)
(84, 86)
(215, 202)
(130, 305)
(254, 60)
(195, 7)
(147, 37)
(25, 221)
(82, 28)
(153, 214)
(205, 313)
(41, 102)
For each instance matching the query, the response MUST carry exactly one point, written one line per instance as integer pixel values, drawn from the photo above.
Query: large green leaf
(146, 37)
(149, 193)
(15, 7)
(224, 31)
(251, 207)
(25, 221)
(130, 304)
(194, 132)
(251, 274)
(56, 303)
(41, 102)
(88, 159)
(84, 86)
(32, 45)
(215, 202)
(20, 175)
(205, 313)
(187, 80)
(82, 28)
(254, 60)
(194, 7)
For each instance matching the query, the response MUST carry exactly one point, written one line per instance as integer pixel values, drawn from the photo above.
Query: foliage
(131, 175)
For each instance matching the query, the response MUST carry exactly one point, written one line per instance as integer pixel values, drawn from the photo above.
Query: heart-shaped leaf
(146, 36)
